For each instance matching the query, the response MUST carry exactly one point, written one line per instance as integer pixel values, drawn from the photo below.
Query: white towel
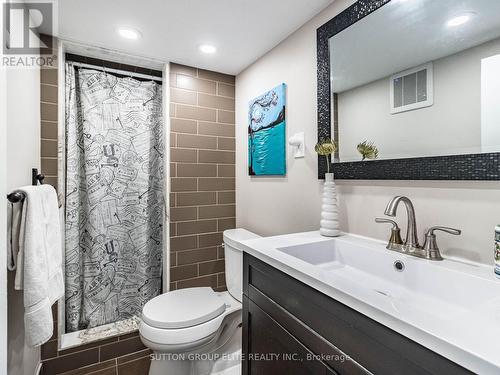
(39, 260)
(13, 226)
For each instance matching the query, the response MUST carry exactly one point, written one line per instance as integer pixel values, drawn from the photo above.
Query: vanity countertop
(451, 307)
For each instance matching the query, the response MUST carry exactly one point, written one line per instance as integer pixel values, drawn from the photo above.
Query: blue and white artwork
(266, 133)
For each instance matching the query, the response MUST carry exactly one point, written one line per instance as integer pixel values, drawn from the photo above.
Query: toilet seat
(209, 322)
(183, 308)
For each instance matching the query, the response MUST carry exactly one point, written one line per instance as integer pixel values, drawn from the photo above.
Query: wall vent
(412, 89)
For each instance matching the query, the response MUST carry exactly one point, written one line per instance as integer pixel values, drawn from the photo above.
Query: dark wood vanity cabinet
(291, 328)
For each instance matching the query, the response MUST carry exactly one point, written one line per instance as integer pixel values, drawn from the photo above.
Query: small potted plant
(326, 148)
(367, 150)
(329, 225)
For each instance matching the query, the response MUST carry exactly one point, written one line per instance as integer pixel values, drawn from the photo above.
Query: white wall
(23, 153)
(3, 211)
(451, 126)
(271, 206)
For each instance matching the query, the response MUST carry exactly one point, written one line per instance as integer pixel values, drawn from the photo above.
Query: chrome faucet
(410, 246)
(411, 242)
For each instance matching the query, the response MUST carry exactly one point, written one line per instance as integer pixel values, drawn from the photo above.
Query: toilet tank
(234, 259)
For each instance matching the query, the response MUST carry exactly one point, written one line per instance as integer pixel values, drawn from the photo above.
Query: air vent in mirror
(412, 89)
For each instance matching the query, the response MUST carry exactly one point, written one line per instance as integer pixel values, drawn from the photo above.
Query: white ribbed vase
(329, 225)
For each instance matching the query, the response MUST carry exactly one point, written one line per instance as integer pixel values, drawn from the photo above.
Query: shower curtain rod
(118, 71)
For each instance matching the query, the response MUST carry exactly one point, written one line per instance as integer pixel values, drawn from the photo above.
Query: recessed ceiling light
(207, 48)
(128, 33)
(459, 20)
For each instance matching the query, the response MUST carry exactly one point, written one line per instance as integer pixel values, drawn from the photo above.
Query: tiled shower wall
(202, 175)
(48, 116)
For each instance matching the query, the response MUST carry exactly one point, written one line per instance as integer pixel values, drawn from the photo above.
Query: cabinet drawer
(373, 346)
(272, 350)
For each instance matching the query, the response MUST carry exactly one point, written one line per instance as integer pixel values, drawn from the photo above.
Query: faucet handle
(449, 230)
(395, 241)
(430, 246)
(384, 220)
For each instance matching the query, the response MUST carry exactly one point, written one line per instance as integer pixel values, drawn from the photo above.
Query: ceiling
(406, 33)
(172, 30)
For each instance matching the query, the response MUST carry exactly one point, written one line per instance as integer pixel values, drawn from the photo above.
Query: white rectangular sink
(450, 306)
(420, 285)
(318, 253)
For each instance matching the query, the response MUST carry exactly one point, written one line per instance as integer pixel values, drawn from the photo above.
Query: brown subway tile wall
(186, 82)
(225, 117)
(202, 204)
(48, 115)
(183, 184)
(225, 197)
(195, 199)
(217, 102)
(108, 356)
(221, 157)
(184, 155)
(49, 130)
(184, 126)
(216, 184)
(203, 158)
(195, 112)
(195, 227)
(48, 163)
(226, 143)
(215, 76)
(196, 141)
(214, 128)
(196, 170)
(225, 90)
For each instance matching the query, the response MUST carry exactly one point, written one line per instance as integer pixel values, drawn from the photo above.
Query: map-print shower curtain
(114, 196)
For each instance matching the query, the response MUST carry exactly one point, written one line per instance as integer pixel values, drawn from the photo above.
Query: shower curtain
(114, 196)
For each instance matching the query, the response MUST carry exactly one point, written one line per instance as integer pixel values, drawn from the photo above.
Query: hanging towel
(13, 226)
(39, 260)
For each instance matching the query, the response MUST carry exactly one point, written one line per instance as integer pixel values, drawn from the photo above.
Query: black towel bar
(18, 196)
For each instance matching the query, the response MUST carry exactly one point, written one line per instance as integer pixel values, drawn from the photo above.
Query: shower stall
(114, 172)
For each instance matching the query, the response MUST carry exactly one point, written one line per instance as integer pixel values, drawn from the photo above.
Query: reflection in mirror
(418, 78)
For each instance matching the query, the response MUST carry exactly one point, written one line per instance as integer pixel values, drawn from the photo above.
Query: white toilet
(197, 331)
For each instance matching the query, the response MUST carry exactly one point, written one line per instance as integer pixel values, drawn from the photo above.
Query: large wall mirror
(410, 89)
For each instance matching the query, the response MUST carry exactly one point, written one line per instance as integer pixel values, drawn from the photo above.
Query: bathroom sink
(318, 253)
(408, 283)
(450, 306)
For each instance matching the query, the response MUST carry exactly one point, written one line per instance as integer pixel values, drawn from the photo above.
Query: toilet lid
(183, 308)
